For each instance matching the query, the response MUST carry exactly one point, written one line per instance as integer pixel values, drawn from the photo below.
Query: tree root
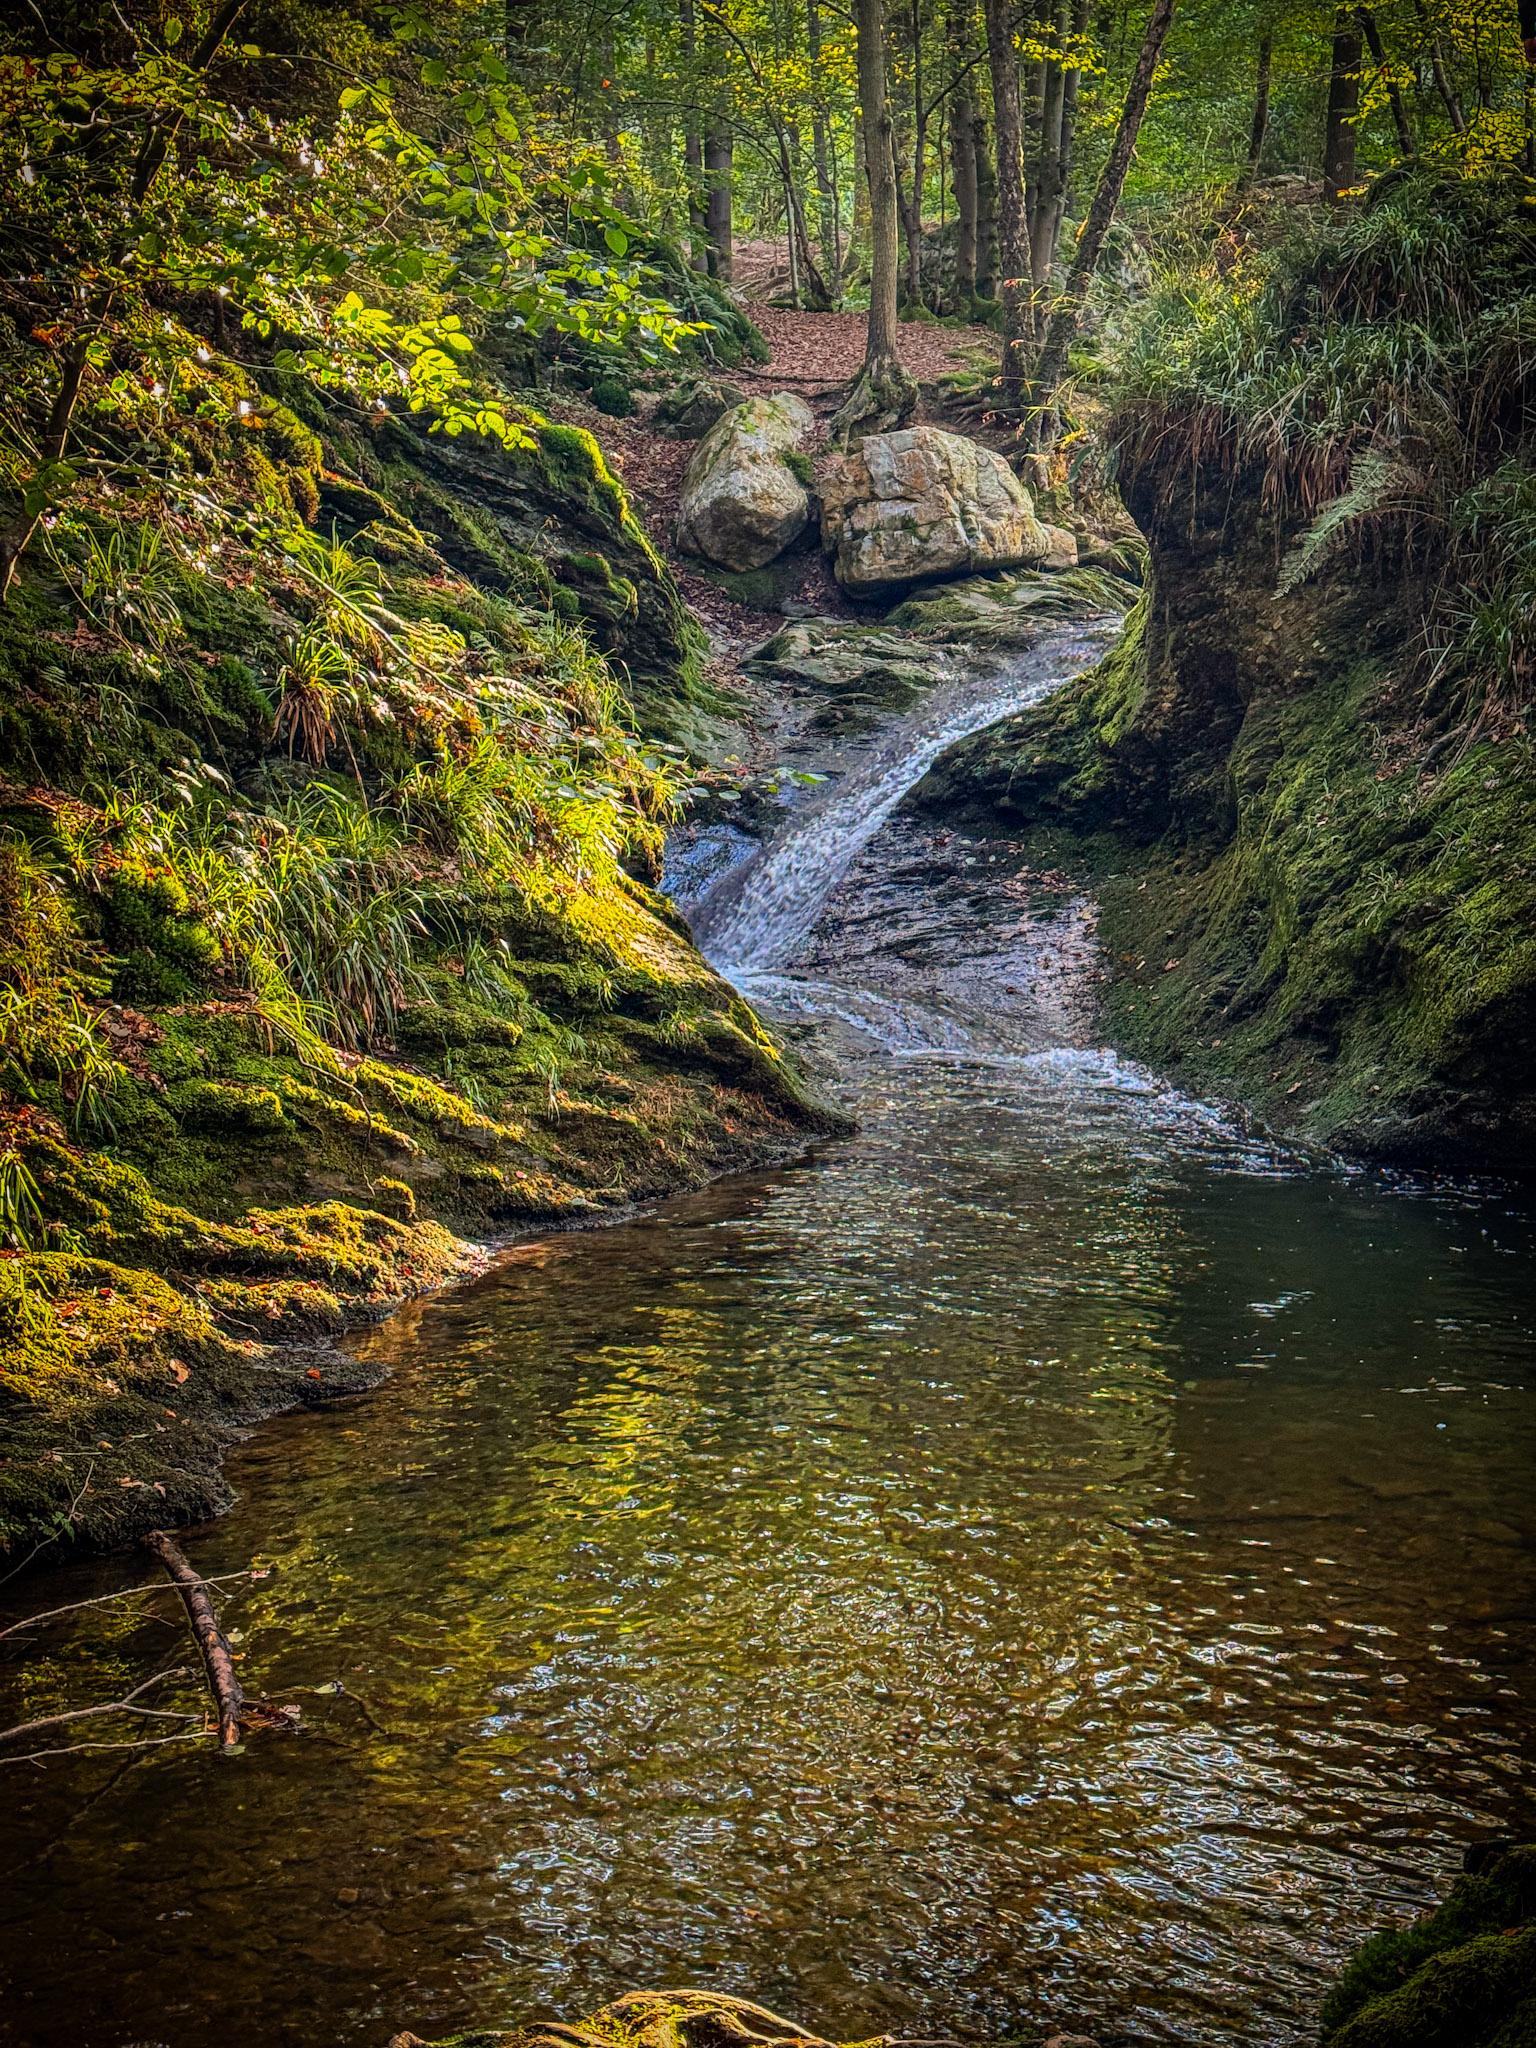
(882, 397)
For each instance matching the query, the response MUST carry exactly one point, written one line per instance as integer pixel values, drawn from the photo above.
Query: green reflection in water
(997, 1573)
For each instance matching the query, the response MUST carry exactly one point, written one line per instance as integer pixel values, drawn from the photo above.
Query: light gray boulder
(918, 505)
(744, 497)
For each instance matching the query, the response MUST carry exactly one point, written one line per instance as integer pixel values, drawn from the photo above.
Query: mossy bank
(1302, 781)
(327, 790)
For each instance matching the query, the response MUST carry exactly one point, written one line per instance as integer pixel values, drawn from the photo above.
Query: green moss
(1464, 1976)
(614, 397)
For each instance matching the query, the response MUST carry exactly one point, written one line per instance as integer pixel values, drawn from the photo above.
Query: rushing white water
(759, 915)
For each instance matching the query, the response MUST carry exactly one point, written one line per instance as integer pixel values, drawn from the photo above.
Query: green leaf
(434, 73)
(617, 240)
(173, 32)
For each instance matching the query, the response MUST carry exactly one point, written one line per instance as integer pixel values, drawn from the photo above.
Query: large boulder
(744, 498)
(918, 505)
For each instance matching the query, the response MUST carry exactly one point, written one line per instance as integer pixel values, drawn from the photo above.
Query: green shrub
(614, 397)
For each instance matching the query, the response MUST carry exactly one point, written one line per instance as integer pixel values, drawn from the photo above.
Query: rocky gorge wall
(1311, 902)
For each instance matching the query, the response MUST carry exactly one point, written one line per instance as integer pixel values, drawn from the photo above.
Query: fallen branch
(218, 1658)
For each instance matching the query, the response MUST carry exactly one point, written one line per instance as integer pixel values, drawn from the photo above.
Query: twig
(100, 1600)
(33, 1756)
(218, 1658)
(123, 1706)
(357, 1700)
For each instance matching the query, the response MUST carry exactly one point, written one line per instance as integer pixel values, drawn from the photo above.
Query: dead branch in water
(218, 1658)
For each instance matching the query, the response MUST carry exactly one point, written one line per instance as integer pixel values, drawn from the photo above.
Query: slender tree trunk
(806, 282)
(1090, 243)
(962, 145)
(1343, 107)
(1081, 15)
(1444, 87)
(858, 228)
(1373, 43)
(718, 154)
(1012, 246)
(693, 148)
(1258, 134)
(826, 198)
(1048, 166)
(883, 394)
(986, 205)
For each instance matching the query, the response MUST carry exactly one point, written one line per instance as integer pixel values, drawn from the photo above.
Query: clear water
(1053, 1558)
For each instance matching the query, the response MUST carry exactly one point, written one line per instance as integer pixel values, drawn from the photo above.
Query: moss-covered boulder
(1463, 1976)
(649, 2019)
(551, 524)
(744, 498)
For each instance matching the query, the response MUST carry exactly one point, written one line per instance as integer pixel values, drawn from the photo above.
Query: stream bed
(1057, 1557)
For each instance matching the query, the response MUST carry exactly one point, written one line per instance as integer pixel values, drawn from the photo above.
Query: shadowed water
(1056, 1556)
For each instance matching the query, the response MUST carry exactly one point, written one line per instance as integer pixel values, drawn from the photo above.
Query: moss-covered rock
(553, 522)
(1463, 1976)
(650, 2019)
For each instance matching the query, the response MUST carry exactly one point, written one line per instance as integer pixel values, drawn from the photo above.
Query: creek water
(1054, 1557)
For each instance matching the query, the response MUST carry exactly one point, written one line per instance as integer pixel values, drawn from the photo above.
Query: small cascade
(759, 915)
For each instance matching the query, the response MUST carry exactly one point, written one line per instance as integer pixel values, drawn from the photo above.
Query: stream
(1058, 1557)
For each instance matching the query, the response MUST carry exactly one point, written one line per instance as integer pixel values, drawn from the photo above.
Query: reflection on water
(1033, 1562)
(1054, 1557)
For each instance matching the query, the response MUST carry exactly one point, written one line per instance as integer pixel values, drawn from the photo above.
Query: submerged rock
(920, 505)
(859, 670)
(744, 498)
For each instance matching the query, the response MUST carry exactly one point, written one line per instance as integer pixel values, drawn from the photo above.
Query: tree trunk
(1373, 43)
(1343, 107)
(962, 144)
(693, 149)
(826, 194)
(1012, 257)
(883, 394)
(1081, 15)
(806, 281)
(986, 206)
(1048, 169)
(718, 153)
(1258, 134)
(1090, 243)
(858, 226)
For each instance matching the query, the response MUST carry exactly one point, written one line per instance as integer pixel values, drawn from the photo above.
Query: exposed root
(883, 396)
